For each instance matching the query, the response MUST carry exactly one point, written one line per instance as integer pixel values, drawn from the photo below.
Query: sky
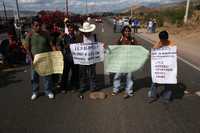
(77, 6)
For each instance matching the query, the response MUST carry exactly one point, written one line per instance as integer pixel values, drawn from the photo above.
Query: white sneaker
(51, 96)
(34, 96)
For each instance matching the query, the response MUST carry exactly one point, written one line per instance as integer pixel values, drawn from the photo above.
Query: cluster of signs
(118, 59)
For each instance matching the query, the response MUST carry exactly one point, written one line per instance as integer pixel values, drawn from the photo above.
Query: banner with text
(87, 53)
(48, 63)
(164, 65)
(125, 58)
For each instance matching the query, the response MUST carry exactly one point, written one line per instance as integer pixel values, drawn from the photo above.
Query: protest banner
(49, 63)
(125, 58)
(164, 65)
(87, 53)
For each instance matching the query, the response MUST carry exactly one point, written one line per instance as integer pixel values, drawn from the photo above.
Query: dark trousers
(87, 77)
(166, 93)
(135, 29)
(73, 81)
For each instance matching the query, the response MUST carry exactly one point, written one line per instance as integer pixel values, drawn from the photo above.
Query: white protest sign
(164, 65)
(87, 53)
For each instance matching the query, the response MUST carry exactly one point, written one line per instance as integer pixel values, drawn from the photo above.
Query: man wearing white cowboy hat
(87, 72)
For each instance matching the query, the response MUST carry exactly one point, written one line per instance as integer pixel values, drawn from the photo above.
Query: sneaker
(34, 96)
(51, 96)
(114, 93)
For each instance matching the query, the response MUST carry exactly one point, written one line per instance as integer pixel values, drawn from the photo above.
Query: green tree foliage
(175, 16)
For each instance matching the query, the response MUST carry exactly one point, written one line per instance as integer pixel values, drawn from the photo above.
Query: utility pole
(86, 8)
(186, 11)
(18, 15)
(18, 23)
(4, 7)
(66, 7)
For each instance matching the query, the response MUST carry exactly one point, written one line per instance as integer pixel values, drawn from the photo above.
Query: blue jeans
(47, 80)
(129, 82)
(166, 93)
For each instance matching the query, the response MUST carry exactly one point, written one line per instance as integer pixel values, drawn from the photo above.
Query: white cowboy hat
(87, 27)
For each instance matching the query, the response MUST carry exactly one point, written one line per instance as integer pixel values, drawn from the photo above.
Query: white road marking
(190, 64)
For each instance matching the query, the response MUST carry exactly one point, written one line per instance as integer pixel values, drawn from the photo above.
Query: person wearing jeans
(125, 39)
(37, 42)
(47, 80)
(166, 94)
(129, 83)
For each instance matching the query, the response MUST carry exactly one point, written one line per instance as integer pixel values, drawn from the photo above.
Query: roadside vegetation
(170, 15)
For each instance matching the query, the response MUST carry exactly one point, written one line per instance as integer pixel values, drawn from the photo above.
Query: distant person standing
(135, 25)
(154, 26)
(166, 94)
(150, 26)
(38, 42)
(114, 24)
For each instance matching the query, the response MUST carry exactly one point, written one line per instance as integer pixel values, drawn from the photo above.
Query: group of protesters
(135, 24)
(82, 77)
(39, 41)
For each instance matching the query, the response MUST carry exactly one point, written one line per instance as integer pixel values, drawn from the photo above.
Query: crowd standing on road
(79, 77)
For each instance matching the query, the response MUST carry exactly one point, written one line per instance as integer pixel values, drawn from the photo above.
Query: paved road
(67, 114)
